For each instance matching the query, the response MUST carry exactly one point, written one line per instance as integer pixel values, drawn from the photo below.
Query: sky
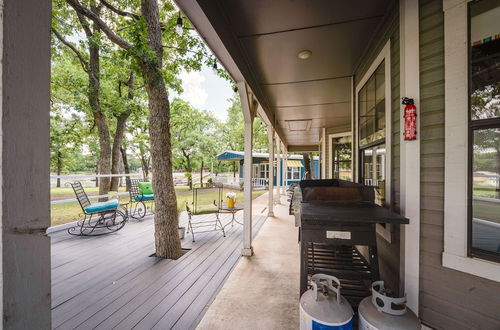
(205, 90)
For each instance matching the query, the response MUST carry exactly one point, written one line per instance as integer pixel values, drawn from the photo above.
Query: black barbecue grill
(336, 217)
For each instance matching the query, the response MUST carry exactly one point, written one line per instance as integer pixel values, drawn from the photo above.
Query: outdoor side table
(232, 210)
(329, 232)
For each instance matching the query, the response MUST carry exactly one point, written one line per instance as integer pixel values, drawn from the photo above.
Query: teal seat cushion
(147, 197)
(145, 188)
(103, 206)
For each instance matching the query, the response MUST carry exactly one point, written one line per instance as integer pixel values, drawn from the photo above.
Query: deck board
(111, 282)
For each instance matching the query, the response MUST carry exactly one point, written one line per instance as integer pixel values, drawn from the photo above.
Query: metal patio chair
(99, 218)
(203, 225)
(138, 201)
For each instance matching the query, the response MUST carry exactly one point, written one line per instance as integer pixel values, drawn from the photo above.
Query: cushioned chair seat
(146, 197)
(103, 206)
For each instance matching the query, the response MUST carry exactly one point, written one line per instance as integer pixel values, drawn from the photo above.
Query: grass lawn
(486, 211)
(68, 212)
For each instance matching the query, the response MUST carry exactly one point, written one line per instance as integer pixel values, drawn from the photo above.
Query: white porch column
(270, 135)
(249, 109)
(278, 169)
(25, 287)
(284, 170)
(410, 150)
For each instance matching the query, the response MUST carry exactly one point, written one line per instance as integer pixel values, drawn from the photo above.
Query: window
(264, 170)
(484, 130)
(372, 133)
(460, 186)
(293, 173)
(341, 156)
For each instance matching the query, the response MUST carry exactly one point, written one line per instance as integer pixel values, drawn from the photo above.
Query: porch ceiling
(263, 39)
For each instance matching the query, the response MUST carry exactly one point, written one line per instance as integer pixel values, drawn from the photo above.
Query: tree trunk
(145, 167)
(95, 105)
(59, 166)
(307, 165)
(121, 120)
(188, 169)
(97, 172)
(168, 244)
(126, 168)
(201, 173)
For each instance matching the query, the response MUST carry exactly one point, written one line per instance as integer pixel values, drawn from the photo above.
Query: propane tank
(322, 307)
(380, 312)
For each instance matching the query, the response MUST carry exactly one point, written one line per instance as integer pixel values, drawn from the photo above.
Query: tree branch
(99, 22)
(85, 24)
(83, 62)
(118, 11)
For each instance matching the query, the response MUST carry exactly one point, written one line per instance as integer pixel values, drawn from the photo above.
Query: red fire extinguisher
(410, 116)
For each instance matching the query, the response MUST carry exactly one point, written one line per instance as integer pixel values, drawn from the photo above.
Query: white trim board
(410, 150)
(456, 146)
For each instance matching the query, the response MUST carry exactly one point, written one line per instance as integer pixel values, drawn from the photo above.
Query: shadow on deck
(110, 281)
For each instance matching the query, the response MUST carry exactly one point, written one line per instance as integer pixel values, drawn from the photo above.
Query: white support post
(249, 109)
(283, 170)
(278, 169)
(270, 134)
(410, 150)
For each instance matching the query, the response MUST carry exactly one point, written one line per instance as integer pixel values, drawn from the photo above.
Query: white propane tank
(380, 312)
(322, 307)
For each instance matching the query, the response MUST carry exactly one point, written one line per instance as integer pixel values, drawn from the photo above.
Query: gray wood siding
(389, 253)
(448, 299)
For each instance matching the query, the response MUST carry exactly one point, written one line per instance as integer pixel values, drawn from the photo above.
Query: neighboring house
(294, 166)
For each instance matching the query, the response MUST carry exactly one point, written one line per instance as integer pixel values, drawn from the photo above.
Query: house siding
(448, 299)
(389, 253)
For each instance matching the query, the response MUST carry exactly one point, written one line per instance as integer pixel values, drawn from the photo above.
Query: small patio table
(329, 232)
(226, 209)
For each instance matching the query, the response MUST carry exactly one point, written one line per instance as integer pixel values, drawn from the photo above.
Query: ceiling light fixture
(304, 54)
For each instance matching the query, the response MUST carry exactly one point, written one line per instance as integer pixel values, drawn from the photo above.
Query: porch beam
(270, 175)
(249, 107)
(410, 151)
(303, 148)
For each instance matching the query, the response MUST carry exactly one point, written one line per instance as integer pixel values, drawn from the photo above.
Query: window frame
(474, 125)
(457, 157)
(330, 156)
(384, 55)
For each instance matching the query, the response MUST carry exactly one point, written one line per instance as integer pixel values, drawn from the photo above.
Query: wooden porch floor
(110, 281)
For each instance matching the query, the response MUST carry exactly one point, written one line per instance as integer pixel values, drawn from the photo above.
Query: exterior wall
(449, 299)
(389, 252)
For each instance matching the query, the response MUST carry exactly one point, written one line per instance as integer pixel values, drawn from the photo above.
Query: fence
(65, 179)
